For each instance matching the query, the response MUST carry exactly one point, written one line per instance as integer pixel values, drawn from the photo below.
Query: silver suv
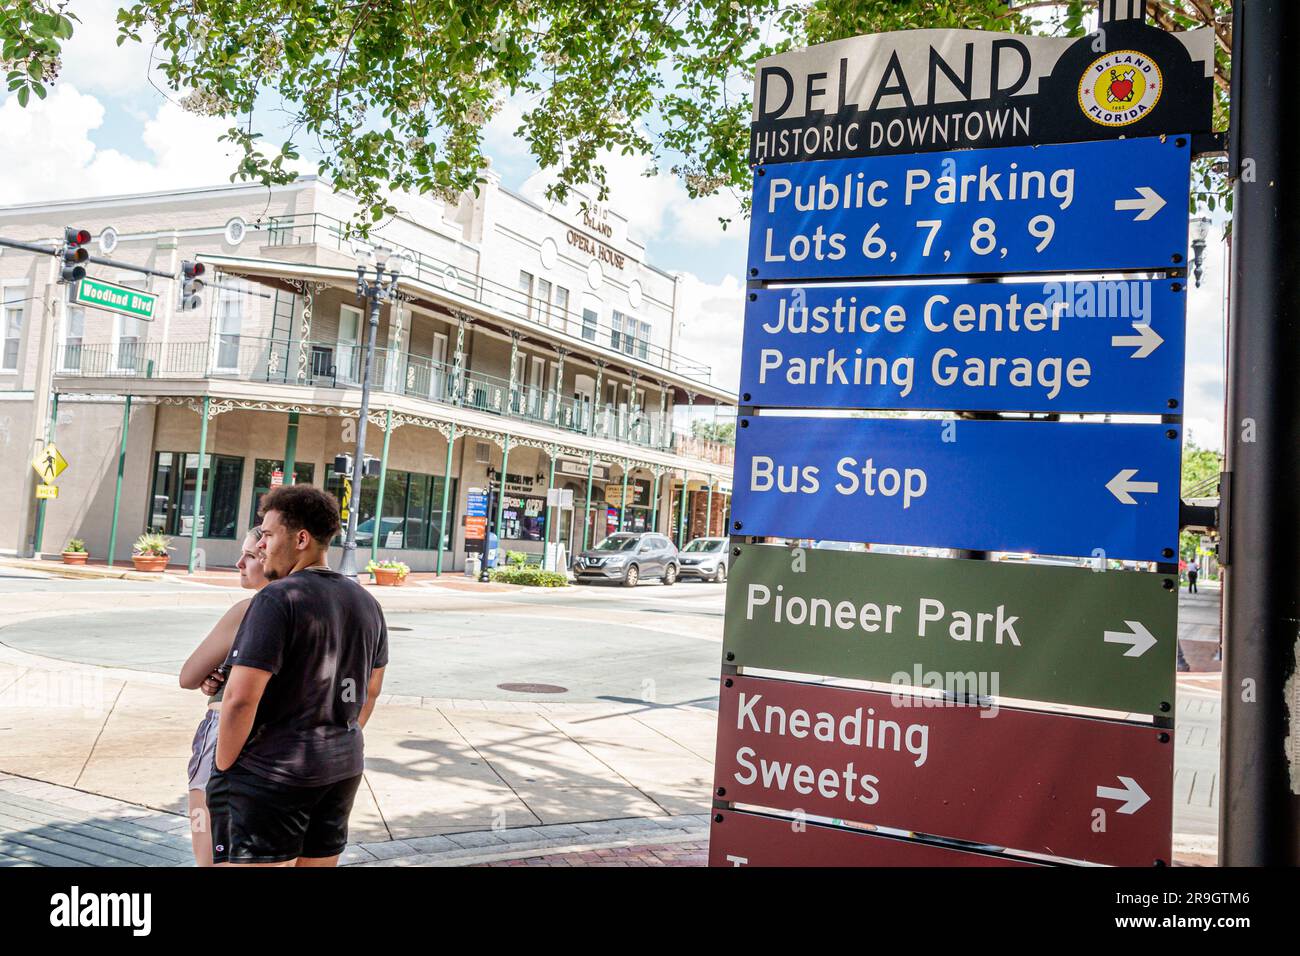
(628, 558)
(704, 558)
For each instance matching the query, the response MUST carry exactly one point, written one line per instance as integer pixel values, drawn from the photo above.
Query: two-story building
(525, 348)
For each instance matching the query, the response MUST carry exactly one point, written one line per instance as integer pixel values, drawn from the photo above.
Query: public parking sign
(1074, 636)
(1109, 205)
(1112, 345)
(1067, 786)
(1066, 488)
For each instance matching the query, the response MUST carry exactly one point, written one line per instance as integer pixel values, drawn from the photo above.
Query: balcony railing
(331, 365)
(468, 284)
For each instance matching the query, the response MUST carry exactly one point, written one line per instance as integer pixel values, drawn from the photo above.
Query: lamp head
(1200, 228)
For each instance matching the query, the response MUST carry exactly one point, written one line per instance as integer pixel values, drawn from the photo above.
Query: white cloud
(713, 318)
(93, 61)
(1205, 375)
(48, 153)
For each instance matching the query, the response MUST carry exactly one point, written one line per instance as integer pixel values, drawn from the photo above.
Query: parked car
(629, 557)
(704, 558)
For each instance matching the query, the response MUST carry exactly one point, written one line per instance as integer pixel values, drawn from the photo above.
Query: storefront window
(412, 511)
(524, 518)
(264, 470)
(172, 504)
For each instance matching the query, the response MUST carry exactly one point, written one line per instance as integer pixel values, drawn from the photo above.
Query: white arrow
(1146, 341)
(1122, 484)
(1134, 797)
(1139, 639)
(1150, 204)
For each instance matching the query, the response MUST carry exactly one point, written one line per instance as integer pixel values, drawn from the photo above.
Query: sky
(107, 128)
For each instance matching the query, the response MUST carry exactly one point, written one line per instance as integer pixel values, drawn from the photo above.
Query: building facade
(524, 349)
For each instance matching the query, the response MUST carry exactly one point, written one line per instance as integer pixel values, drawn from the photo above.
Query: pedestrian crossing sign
(49, 463)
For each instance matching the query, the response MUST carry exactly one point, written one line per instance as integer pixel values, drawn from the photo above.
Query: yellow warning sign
(47, 491)
(49, 463)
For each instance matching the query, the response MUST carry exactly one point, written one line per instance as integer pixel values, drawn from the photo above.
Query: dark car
(629, 558)
(704, 558)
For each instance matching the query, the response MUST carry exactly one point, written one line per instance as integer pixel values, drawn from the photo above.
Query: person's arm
(243, 693)
(215, 648)
(372, 694)
(255, 657)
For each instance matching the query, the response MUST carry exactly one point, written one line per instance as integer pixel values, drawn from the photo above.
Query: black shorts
(256, 820)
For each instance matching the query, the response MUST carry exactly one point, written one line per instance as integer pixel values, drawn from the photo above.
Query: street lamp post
(1200, 233)
(374, 291)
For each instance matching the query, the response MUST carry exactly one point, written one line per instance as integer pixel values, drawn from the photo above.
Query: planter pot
(149, 562)
(75, 557)
(388, 579)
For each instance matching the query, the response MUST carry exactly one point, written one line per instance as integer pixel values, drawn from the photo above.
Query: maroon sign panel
(1073, 787)
(750, 839)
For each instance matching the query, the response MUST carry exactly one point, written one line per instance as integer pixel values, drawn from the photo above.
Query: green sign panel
(115, 298)
(1064, 635)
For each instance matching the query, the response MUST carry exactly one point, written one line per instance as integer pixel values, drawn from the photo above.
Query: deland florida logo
(1120, 88)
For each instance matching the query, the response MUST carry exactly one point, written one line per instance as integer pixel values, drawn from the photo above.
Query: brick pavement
(679, 854)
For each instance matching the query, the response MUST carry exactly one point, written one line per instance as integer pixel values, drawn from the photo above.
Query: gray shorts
(203, 752)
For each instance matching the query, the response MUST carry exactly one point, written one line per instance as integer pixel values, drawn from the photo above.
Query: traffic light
(343, 465)
(191, 284)
(73, 252)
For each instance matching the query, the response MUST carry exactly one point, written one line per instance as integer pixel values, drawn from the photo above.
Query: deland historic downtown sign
(990, 227)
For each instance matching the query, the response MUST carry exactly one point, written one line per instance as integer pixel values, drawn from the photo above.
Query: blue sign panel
(1110, 205)
(1067, 346)
(1045, 487)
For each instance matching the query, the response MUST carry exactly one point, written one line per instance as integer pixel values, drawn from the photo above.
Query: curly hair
(304, 507)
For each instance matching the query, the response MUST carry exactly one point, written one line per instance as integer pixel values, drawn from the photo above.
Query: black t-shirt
(320, 635)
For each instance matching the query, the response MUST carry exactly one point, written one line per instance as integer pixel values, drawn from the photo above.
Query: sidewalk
(228, 577)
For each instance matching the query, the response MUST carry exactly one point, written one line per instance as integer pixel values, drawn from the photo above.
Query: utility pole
(1259, 809)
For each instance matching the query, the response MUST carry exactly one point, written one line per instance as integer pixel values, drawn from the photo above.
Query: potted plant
(389, 573)
(75, 552)
(149, 553)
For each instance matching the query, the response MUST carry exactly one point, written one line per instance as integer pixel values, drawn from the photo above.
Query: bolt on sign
(49, 463)
(1078, 788)
(971, 629)
(1004, 219)
(759, 839)
(115, 298)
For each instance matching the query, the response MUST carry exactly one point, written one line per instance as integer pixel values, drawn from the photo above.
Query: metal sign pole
(1260, 803)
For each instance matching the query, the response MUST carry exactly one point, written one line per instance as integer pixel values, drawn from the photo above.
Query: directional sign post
(1075, 636)
(1115, 204)
(1025, 780)
(1046, 346)
(1067, 488)
(937, 229)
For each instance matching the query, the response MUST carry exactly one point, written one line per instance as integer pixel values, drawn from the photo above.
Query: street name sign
(738, 838)
(1111, 205)
(1063, 635)
(110, 297)
(1060, 488)
(924, 90)
(1069, 786)
(1058, 346)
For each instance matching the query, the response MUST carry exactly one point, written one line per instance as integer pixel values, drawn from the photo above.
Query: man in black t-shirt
(305, 670)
